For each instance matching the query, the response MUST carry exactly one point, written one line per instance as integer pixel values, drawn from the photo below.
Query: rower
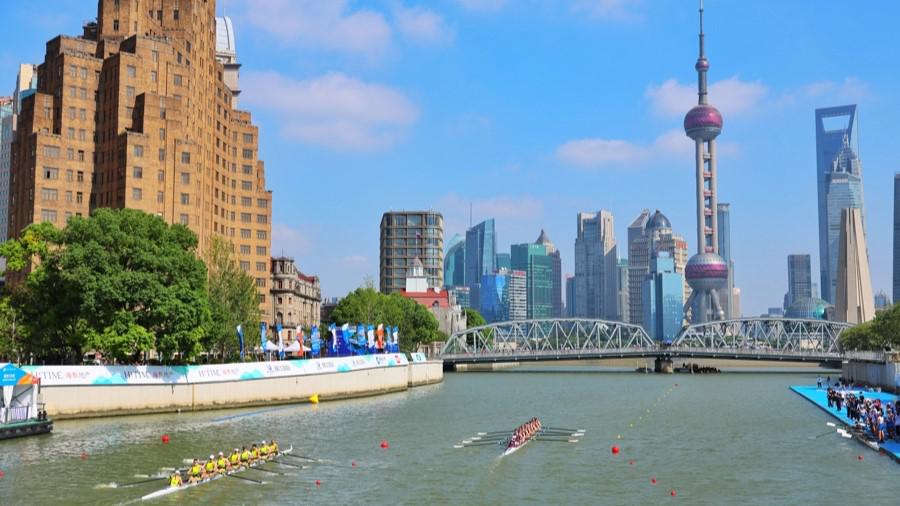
(254, 454)
(222, 464)
(245, 456)
(210, 466)
(264, 451)
(274, 448)
(235, 459)
(196, 472)
(175, 480)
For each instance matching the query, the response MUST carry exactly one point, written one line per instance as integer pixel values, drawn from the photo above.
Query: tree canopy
(474, 318)
(365, 305)
(121, 282)
(875, 335)
(232, 300)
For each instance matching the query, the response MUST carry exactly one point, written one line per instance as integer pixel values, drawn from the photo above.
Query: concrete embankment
(90, 391)
(873, 369)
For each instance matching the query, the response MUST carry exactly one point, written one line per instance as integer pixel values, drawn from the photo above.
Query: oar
(497, 438)
(258, 482)
(289, 465)
(267, 471)
(563, 429)
(561, 433)
(494, 432)
(489, 443)
(304, 457)
(133, 483)
(559, 440)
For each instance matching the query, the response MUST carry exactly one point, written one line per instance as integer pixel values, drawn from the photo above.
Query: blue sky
(533, 110)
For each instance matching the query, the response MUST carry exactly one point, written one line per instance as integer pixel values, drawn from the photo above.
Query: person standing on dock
(818, 382)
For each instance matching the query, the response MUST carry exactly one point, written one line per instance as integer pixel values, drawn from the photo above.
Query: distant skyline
(369, 106)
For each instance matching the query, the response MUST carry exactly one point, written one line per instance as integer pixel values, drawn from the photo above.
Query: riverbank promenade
(818, 396)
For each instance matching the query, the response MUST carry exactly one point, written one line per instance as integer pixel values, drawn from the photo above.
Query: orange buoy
(615, 450)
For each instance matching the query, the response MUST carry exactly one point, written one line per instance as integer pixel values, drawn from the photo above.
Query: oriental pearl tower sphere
(706, 272)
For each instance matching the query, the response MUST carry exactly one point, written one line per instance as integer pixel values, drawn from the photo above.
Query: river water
(739, 438)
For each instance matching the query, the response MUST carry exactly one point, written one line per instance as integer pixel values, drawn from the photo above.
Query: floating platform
(819, 397)
(26, 428)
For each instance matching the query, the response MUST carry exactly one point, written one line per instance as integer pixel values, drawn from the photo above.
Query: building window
(248, 169)
(245, 233)
(162, 154)
(245, 266)
(136, 193)
(155, 55)
(82, 134)
(248, 153)
(115, 25)
(129, 91)
(175, 14)
(80, 176)
(69, 197)
(261, 283)
(261, 235)
(138, 173)
(70, 111)
(70, 175)
(70, 133)
(49, 194)
(246, 185)
(245, 249)
(183, 219)
(177, 79)
(51, 173)
(248, 138)
(160, 197)
(82, 114)
(260, 266)
(51, 152)
(79, 197)
(131, 71)
(153, 76)
(162, 134)
(73, 71)
(262, 218)
(262, 203)
(138, 151)
(261, 250)
(185, 178)
(185, 199)
(48, 215)
(161, 176)
(70, 154)
(185, 157)
(246, 217)
(246, 201)
(82, 93)
(72, 91)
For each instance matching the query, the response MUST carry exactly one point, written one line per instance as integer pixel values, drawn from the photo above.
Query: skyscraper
(570, 296)
(706, 272)
(854, 301)
(481, 254)
(839, 181)
(455, 262)
(799, 279)
(595, 266)
(657, 236)
(503, 261)
(503, 296)
(134, 113)
(896, 289)
(622, 304)
(405, 237)
(555, 274)
(538, 267)
(663, 299)
(723, 212)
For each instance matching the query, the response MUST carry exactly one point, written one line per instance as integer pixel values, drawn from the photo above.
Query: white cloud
(851, 89)
(482, 5)
(609, 10)
(333, 110)
(732, 96)
(331, 25)
(597, 153)
(296, 242)
(422, 25)
(514, 211)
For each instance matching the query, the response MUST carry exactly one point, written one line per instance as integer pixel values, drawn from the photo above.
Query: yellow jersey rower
(222, 464)
(235, 458)
(245, 456)
(175, 480)
(195, 473)
(273, 448)
(254, 454)
(264, 451)
(210, 466)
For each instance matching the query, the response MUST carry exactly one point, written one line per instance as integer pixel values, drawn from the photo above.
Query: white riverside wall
(885, 375)
(93, 400)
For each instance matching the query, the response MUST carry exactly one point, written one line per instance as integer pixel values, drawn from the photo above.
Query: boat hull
(28, 428)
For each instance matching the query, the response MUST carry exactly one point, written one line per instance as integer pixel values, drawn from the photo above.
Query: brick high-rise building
(136, 113)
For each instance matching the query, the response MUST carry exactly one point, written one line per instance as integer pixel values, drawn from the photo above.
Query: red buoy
(2, 474)
(353, 464)
(318, 483)
(165, 438)
(615, 450)
(384, 444)
(630, 462)
(859, 457)
(653, 480)
(672, 493)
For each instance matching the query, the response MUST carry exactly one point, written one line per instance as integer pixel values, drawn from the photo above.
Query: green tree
(474, 318)
(875, 335)
(10, 332)
(121, 282)
(232, 299)
(415, 322)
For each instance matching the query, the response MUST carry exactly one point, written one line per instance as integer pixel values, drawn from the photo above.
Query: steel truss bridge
(778, 339)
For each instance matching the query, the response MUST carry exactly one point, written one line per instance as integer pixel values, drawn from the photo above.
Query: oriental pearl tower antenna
(706, 272)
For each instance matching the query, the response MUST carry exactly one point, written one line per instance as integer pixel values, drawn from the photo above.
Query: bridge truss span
(547, 339)
(786, 336)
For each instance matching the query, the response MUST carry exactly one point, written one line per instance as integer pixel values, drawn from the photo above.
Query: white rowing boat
(513, 449)
(171, 490)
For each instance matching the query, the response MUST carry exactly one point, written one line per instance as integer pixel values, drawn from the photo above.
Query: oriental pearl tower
(706, 272)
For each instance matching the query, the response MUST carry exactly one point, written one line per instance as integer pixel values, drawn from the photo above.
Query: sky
(533, 110)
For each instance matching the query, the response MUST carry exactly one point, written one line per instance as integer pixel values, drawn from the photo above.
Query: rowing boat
(513, 449)
(171, 490)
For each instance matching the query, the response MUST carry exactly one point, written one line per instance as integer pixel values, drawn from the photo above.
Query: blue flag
(240, 334)
(280, 341)
(262, 335)
(315, 342)
(360, 339)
